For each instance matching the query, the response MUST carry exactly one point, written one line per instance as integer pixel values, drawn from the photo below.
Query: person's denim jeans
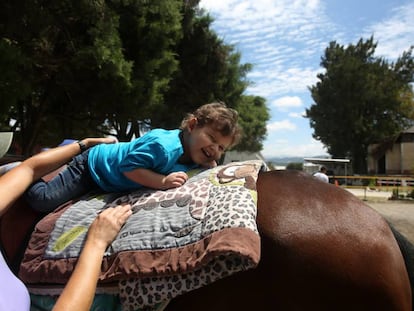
(74, 181)
(7, 167)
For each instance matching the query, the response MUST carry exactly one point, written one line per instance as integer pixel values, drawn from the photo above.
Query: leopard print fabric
(217, 199)
(175, 241)
(147, 293)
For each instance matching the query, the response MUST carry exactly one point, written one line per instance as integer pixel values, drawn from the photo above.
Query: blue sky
(285, 39)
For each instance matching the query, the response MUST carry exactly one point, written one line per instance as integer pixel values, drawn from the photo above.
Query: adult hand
(107, 225)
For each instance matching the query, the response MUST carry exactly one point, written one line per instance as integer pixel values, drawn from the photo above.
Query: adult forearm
(80, 290)
(51, 159)
(15, 182)
(47, 161)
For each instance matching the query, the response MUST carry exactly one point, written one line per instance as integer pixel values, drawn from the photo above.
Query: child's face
(206, 144)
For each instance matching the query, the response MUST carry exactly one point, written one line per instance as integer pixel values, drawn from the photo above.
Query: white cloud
(284, 40)
(396, 34)
(280, 126)
(273, 82)
(216, 5)
(284, 103)
(297, 114)
(285, 149)
(280, 38)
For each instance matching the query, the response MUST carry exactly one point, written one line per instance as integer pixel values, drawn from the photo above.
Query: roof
(325, 160)
(232, 156)
(409, 130)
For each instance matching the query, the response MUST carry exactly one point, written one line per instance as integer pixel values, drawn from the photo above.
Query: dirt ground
(399, 213)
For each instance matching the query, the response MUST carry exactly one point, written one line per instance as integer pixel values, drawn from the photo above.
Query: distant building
(394, 156)
(334, 167)
(236, 156)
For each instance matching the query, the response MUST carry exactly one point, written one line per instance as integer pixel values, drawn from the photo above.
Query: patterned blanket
(175, 241)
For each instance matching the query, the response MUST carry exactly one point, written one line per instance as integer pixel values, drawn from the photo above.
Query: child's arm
(151, 179)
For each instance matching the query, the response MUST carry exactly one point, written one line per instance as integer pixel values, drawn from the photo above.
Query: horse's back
(322, 249)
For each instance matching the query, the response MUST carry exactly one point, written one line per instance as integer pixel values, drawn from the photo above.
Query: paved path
(371, 195)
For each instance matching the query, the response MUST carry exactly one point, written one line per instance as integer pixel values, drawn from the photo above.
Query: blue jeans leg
(74, 181)
(7, 167)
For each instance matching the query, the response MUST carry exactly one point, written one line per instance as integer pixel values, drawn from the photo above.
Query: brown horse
(322, 249)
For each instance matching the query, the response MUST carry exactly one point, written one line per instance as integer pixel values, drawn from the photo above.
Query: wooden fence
(381, 183)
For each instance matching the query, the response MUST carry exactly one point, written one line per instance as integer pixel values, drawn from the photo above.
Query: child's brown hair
(218, 115)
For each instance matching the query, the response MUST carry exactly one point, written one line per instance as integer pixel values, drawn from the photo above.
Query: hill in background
(283, 161)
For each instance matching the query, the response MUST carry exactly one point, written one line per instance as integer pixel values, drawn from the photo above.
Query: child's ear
(192, 124)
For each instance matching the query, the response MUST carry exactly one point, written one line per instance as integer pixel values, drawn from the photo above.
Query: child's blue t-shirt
(157, 150)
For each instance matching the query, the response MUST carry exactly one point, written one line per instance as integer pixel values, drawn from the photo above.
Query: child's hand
(174, 180)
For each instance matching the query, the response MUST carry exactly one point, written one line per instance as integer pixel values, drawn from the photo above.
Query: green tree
(298, 166)
(253, 114)
(56, 42)
(83, 64)
(149, 31)
(360, 99)
(209, 70)
(75, 69)
(13, 86)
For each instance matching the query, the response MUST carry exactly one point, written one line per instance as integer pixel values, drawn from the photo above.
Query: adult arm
(15, 182)
(80, 290)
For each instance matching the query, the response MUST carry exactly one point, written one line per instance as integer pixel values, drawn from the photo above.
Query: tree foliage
(209, 70)
(253, 114)
(85, 62)
(298, 166)
(360, 99)
(72, 69)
